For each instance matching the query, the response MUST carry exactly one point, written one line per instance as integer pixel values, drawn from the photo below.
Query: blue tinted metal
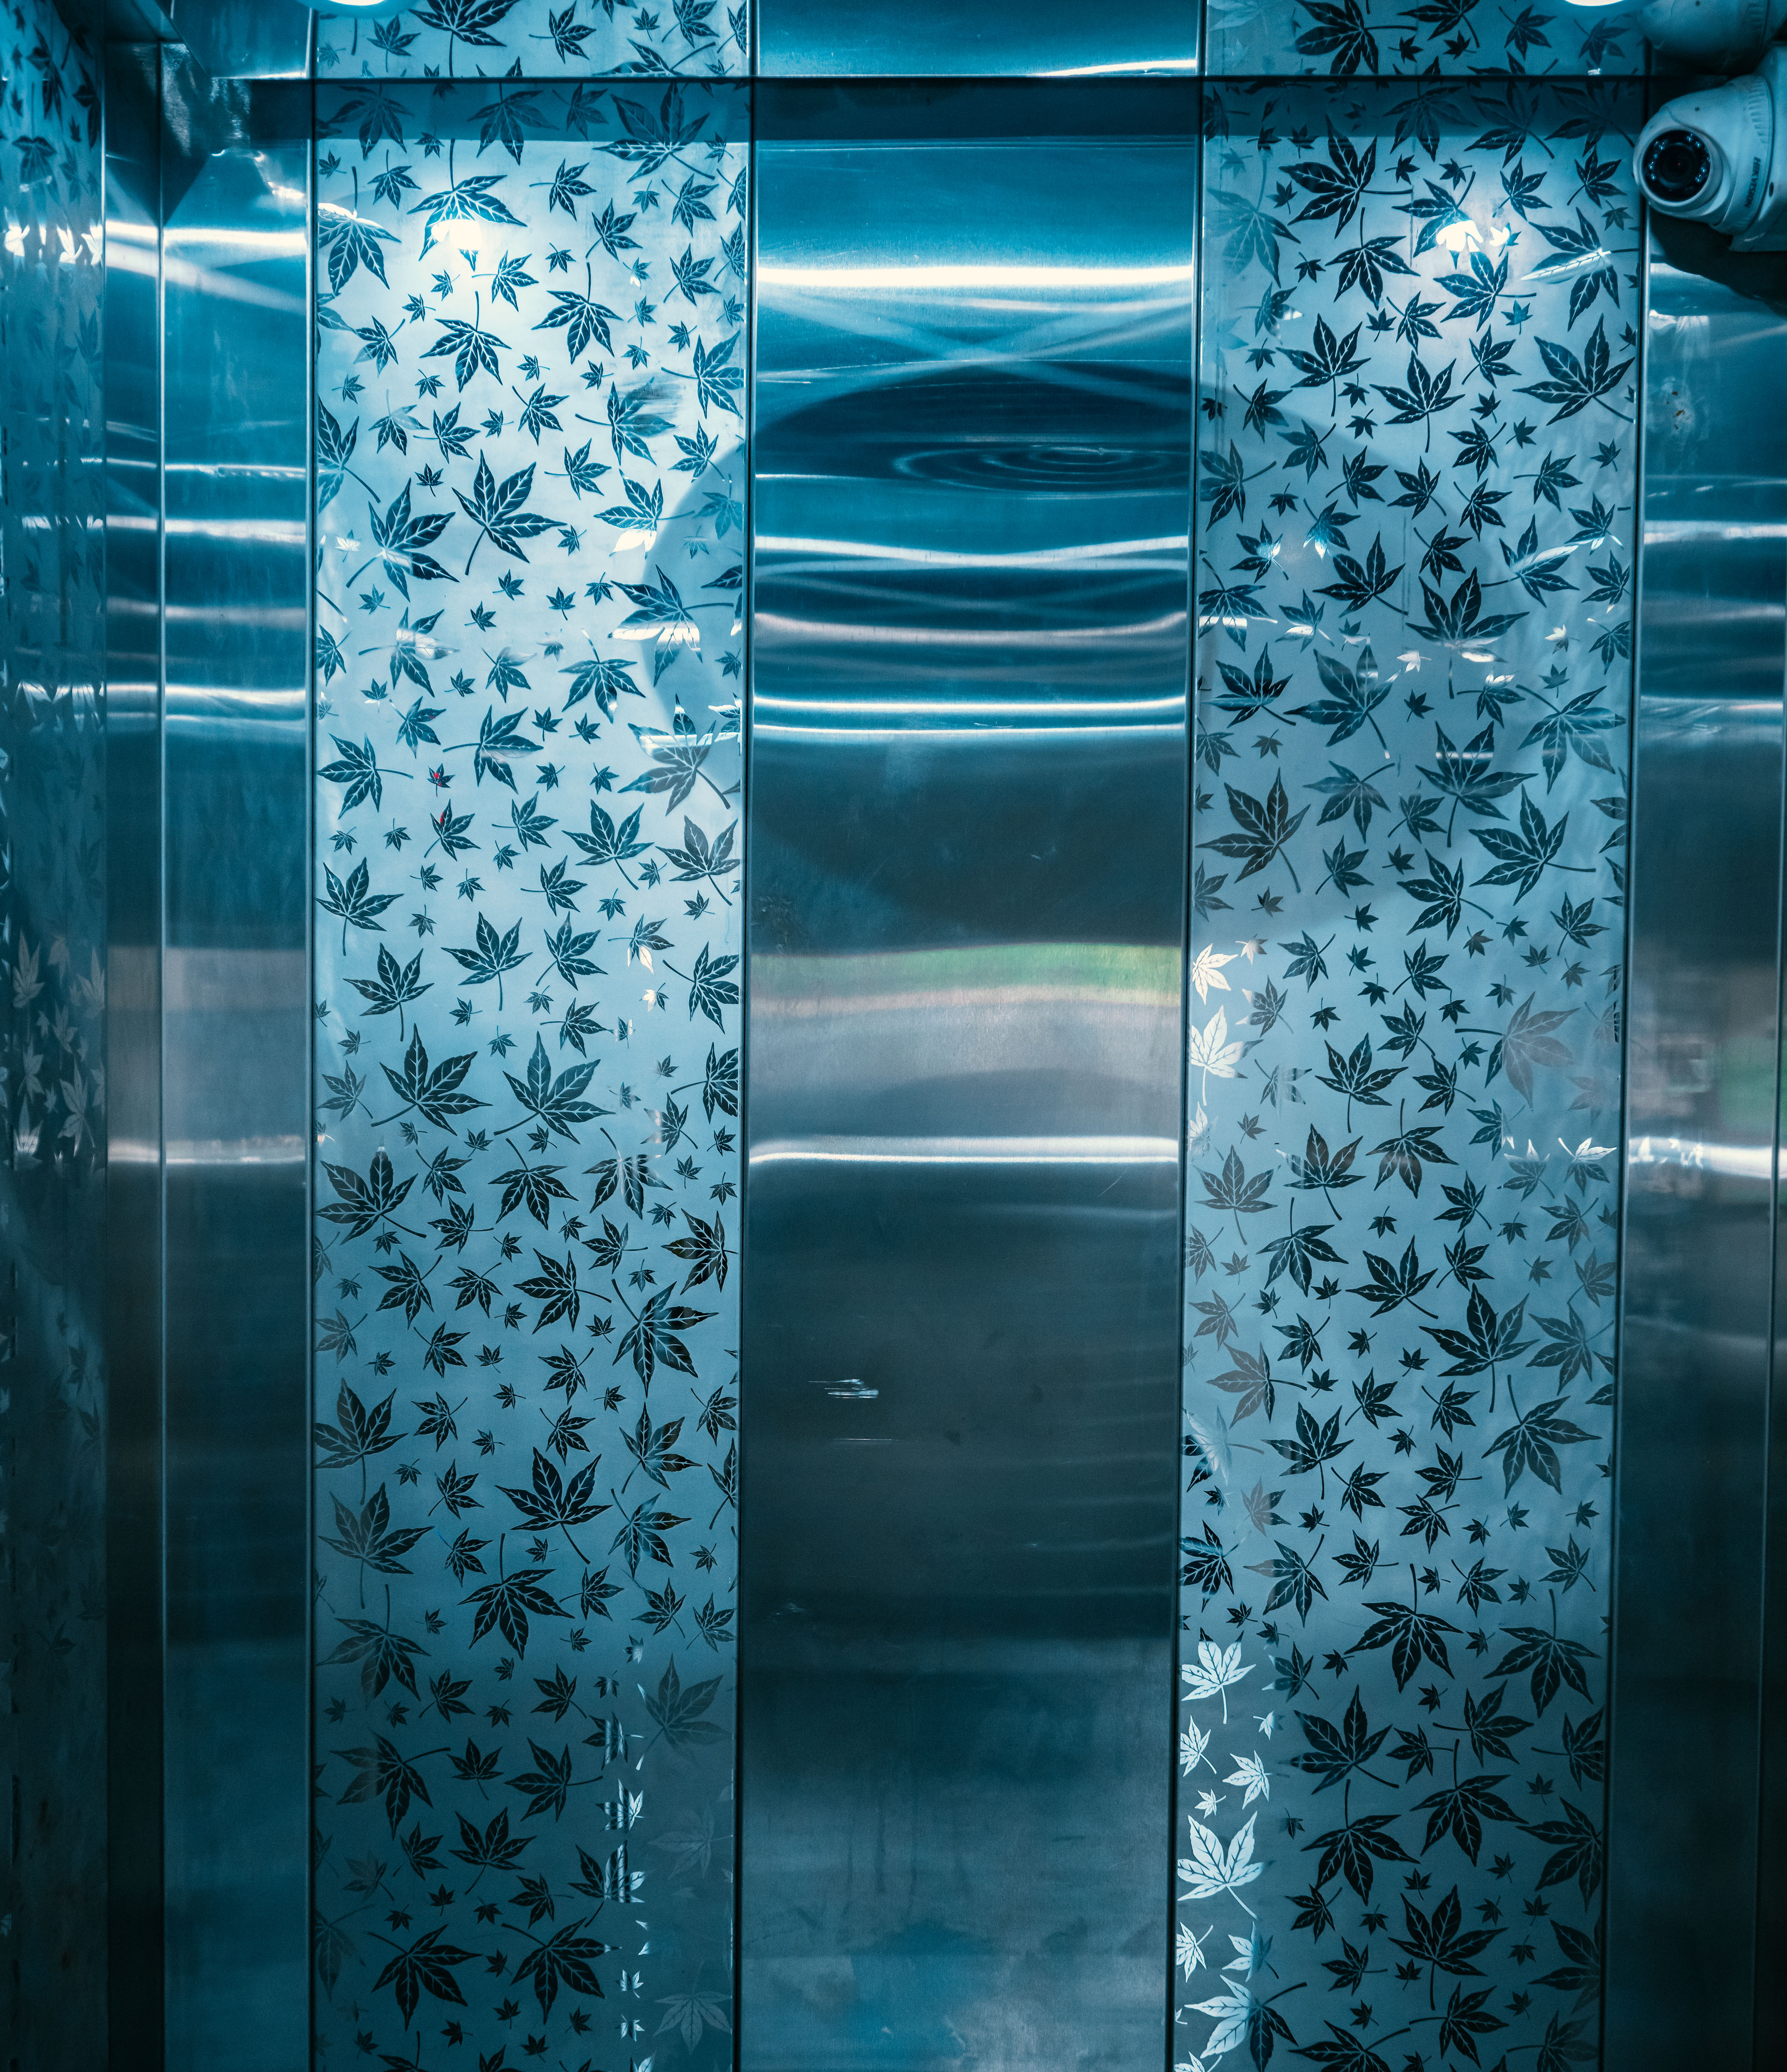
(246, 39)
(971, 39)
(1701, 1138)
(235, 1068)
(52, 994)
(133, 1045)
(967, 802)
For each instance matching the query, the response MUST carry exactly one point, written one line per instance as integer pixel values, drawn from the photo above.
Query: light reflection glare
(989, 708)
(925, 280)
(968, 1151)
(1096, 550)
(1733, 1161)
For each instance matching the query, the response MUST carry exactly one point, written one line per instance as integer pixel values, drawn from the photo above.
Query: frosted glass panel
(529, 494)
(1417, 491)
(1345, 40)
(527, 41)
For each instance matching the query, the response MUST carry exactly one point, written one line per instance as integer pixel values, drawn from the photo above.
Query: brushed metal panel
(134, 1048)
(1701, 1137)
(968, 39)
(246, 39)
(235, 1028)
(968, 777)
(53, 1339)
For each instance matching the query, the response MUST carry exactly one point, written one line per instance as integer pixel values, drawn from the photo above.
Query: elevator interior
(893, 910)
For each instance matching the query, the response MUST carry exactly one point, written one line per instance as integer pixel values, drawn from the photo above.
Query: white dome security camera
(1720, 35)
(1720, 157)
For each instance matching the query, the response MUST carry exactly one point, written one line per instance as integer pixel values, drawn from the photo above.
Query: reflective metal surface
(246, 39)
(133, 1046)
(971, 39)
(235, 1079)
(52, 1059)
(1701, 1138)
(967, 786)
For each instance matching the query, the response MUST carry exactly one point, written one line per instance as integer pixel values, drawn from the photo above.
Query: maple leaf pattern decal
(529, 41)
(1413, 683)
(530, 304)
(1361, 39)
(54, 926)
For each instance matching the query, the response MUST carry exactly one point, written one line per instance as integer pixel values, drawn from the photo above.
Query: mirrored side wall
(53, 1434)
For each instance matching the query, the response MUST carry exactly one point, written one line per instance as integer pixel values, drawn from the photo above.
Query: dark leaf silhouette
(1266, 825)
(1576, 383)
(425, 1966)
(1334, 1753)
(1460, 1811)
(1532, 1441)
(1440, 1940)
(503, 1607)
(654, 1337)
(1353, 1851)
(677, 1709)
(565, 1960)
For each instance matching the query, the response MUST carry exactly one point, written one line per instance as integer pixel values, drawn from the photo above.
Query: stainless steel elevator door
(967, 791)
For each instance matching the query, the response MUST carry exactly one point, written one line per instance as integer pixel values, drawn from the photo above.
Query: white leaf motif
(1215, 1669)
(1207, 971)
(1211, 1051)
(1198, 1133)
(1212, 1431)
(1210, 1868)
(1249, 1770)
(26, 983)
(1231, 2012)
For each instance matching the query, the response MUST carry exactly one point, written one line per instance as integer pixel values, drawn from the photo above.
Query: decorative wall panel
(530, 478)
(1417, 485)
(534, 40)
(52, 1056)
(1349, 39)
